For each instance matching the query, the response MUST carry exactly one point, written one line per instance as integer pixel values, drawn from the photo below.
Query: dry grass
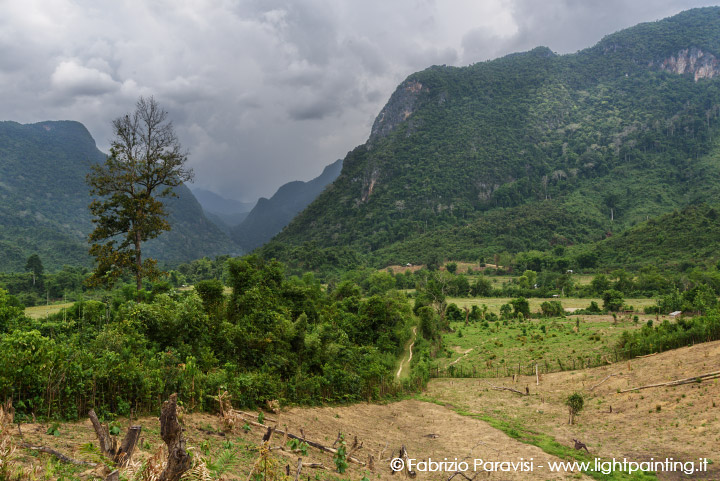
(682, 422)
(38, 312)
(385, 428)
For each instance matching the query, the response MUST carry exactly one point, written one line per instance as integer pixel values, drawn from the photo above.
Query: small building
(675, 314)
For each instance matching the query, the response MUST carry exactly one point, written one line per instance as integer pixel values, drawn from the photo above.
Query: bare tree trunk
(108, 444)
(128, 445)
(171, 432)
(138, 263)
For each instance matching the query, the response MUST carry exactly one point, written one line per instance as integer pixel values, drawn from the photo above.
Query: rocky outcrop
(692, 61)
(401, 105)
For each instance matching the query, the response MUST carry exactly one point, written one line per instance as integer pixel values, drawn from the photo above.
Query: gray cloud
(266, 91)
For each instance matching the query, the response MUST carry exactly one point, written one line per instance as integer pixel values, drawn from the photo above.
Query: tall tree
(35, 267)
(146, 161)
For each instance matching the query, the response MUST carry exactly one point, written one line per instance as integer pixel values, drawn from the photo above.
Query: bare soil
(682, 422)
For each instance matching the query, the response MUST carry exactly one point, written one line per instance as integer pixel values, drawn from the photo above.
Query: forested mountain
(680, 240)
(225, 213)
(269, 216)
(44, 201)
(526, 151)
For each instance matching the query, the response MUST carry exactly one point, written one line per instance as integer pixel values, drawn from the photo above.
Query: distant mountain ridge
(223, 212)
(468, 162)
(44, 201)
(270, 216)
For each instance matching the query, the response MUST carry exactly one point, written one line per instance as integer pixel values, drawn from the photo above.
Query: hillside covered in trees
(527, 151)
(44, 207)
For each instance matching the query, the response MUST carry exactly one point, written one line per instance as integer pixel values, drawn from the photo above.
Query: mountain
(527, 151)
(225, 213)
(685, 238)
(269, 216)
(44, 206)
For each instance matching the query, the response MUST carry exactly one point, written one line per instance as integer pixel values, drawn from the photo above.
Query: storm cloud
(266, 91)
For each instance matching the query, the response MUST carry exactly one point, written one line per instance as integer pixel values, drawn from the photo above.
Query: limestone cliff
(692, 61)
(401, 106)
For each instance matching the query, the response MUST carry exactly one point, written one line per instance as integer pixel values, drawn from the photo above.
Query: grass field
(494, 303)
(37, 312)
(553, 344)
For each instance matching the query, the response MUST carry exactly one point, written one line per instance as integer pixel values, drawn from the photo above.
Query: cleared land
(682, 422)
(467, 418)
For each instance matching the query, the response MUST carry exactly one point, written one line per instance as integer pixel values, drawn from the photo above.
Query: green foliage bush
(273, 337)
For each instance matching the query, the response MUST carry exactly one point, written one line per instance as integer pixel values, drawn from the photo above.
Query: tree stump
(171, 433)
(108, 443)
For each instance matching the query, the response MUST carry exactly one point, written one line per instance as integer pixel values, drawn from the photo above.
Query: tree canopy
(146, 161)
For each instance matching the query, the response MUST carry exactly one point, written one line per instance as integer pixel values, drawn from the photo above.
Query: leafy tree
(211, 294)
(453, 313)
(451, 267)
(600, 283)
(34, 265)
(575, 403)
(482, 287)
(552, 309)
(8, 311)
(612, 300)
(459, 286)
(520, 306)
(380, 282)
(428, 323)
(146, 161)
(531, 277)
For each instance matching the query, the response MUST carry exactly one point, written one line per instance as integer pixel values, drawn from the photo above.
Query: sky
(263, 92)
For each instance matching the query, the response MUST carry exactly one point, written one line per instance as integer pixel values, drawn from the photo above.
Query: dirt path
(461, 357)
(406, 362)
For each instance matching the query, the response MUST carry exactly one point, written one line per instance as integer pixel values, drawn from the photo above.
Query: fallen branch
(608, 377)
(501, 388)
(678, 382)
(299, 468)
(456, 473)
(243, 413)
(309, 443)
(57, 454)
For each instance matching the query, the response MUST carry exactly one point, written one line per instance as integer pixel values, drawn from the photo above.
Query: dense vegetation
(272, 338)
(44, 201)
(528, 151)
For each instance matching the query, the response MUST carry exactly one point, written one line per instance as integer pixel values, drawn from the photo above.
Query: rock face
(692, 61)
(401, 106)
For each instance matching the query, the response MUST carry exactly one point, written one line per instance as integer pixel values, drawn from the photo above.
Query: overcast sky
(263, 92)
